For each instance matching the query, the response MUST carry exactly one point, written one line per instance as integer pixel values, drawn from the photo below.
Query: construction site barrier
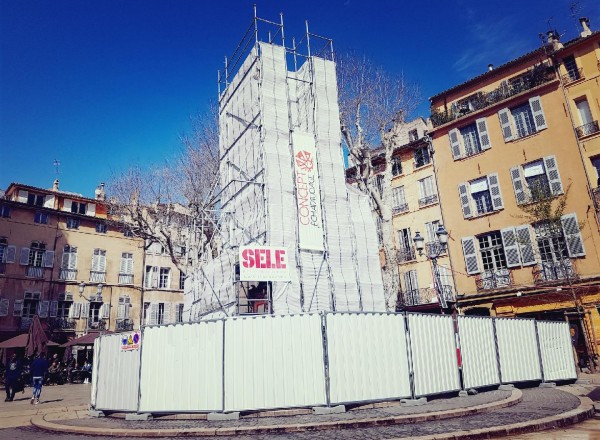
(518, 350)
(478, 351)
(556, 351)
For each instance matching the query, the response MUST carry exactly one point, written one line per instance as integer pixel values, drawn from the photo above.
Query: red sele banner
(263, 263)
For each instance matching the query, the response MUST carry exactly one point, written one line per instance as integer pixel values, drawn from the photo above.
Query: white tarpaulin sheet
(518, 350)
(556, 350)
(478, 351)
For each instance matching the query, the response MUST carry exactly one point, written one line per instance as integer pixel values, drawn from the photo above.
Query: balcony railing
(97, 277)
(67, 274)
(573, 75)
(35, 272)
(62, 323)
(494, 279)
(549, 271)
(428, 200)
(587, 129)
(400, 208)
(97, 325)
(417, 297)
(596, 195)
(125, 278)
(124, 325)
(435, 249)
(407, 254)
(25, 323)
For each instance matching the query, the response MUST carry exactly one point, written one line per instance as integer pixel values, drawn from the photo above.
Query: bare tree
(372, 102)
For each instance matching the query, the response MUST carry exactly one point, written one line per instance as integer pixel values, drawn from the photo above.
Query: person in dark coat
(39, 369)
(13, 373)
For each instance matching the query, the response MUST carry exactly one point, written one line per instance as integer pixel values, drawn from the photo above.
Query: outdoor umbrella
(84, 340)
(38, 340)
(19, 341)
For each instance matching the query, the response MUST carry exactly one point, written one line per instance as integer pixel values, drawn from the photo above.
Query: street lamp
(99, 287)
(433, 252)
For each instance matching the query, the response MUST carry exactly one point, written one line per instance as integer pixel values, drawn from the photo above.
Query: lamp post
(99, 287)
(434, 251)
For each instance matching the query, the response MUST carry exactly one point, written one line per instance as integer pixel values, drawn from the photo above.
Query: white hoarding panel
(433, 350)
(557, 351)
(478, 351)
(117, 375)
(518, 351)
(182, 368)
(94, 386)
(273, 362)
(264, 263)
(368, 357)
(308, 192)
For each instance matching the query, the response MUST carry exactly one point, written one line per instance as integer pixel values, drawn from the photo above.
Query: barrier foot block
(413, 402)
(94, 413)
(320, 410)
(547, 385)
(506, 387)
(138, 417)
(223, 416)
(463, 393)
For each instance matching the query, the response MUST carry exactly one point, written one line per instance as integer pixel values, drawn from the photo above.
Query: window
(179, 312)
(65, 301)
(405, 249)
(399, 200)
(36, 254)
(427, 192)
(98, 272)
(413, 135)
(151, 278)
(5, 211)
(165, 275)
(422, 156)
(31, 303)
(78, 207)
(124, 306)
(431, 229)
(573, 73)
(536, 180)
(40, 217)
(72, 223)
(69, 263)
(161, 313)
(596, 165)
(523, 120)
(480, 196)
(126, 268)
(588, 125)
(181, 280)
(146, 313)
(492, 251)
(411, 287)
(3, 249)
(127, 232)
(35, 199)
(157, 313)
(396, 166)
(469, 140)
(101, 228)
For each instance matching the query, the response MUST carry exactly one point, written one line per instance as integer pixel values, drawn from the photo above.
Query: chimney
(490, 67)
(100, 194)
(55, 185)
(585, 24)
(554, 40)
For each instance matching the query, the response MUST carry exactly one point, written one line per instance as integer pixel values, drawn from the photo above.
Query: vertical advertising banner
(308, 192)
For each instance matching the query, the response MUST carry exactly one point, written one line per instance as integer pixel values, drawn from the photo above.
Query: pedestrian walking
(39, 369)
(12, 377)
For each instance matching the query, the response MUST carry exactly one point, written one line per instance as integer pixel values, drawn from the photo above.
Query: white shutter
(67, 205)
(482, 132)
(48, 260)
(494, 187)
(511, 247)
(155, 276)
(85, 310)
(518, 186)
(470, 253)
(121, 311)
(53, 309)
(153, 313)
(23, 196)
(24, 259)
(572, 235)
(91, 209)
(72, 260)
(538, 113)
(123, 265)
(525, 245)
(556, 187)
(465, 200)
(102, 262)
(49, 202)
(4, 305)
(75, 310)
(11, 254)
(505, 123)
(454, 136)
(105, 311)
(18, 307)
(43, 307)
(167, 314)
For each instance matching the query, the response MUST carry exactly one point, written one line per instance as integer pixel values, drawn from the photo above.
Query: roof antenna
(56, 167)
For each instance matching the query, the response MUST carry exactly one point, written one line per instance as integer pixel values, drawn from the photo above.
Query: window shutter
(53, 309)
(505, 124)
(572, 235)
(11, 254)
(153, 313)
(470, 253)
(73, 260)
(95, 260)
(167, 317)
(538, 113)
(123, 268)
(85, 310)
(556, 187)
(48, 260)
(482, 131)
(75, 310)
(465, 200)
(155, 278)
(4, 305)
(121, 311)
(511, 247)
(18, 307)
(49, 202)
(67, 205)
(517, 180)
(24, 260)
(525, 245)
(105, 311)
(43, 307)
(453, 135)
(494, 186)
(102, 263)
(66, 256)
(91, 209)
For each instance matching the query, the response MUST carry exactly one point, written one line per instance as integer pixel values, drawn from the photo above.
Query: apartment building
(63, 258)
(506, 146)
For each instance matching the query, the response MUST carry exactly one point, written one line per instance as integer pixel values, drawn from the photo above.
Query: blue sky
(103, 85)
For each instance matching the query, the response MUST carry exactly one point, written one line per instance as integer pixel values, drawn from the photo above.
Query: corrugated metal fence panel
(518, 351)
(94, 386)
(433, 349)
(118, 375)
(182, 368)
(556, 349)
(368, 358)
(274, 362)
(478, 351)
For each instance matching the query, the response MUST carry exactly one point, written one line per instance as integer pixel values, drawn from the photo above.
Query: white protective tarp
(556, 350)
(478, 351)
(517, 350)
(368, 358)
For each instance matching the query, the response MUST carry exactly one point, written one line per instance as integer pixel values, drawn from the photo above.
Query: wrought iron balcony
(428, 200)
(62, 323)
(587, 129)
(124, 325)
(406, 254)
(400, 208)
(25, 323)
(435, 249)
(97, 325)
(125, 278)
(573, 75)
(97, 277)
(549, 271)
(428, 295)
(67, 274)
(35, 272)
(494, 279)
